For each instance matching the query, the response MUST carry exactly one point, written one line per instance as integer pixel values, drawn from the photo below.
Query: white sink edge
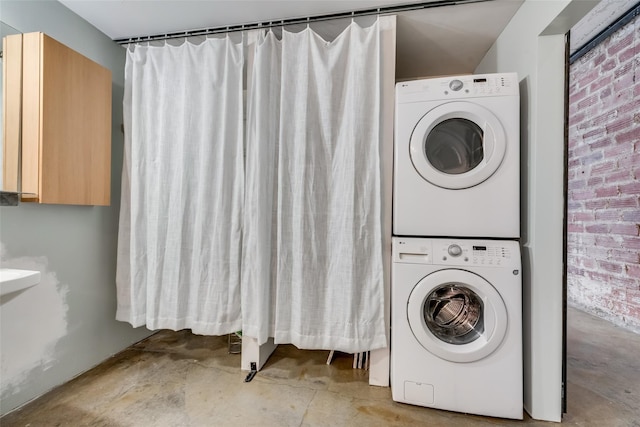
(13, 280)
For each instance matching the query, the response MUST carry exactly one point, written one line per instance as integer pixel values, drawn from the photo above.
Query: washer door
(457, 315)
(457, 145)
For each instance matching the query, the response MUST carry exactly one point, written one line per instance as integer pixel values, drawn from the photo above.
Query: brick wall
(604, 179)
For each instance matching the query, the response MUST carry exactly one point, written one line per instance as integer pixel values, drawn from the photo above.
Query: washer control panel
(456, 252)
(471, 253)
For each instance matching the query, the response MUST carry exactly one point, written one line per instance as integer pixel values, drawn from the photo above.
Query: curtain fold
(260, 228)
(179, 243)
(324, 284)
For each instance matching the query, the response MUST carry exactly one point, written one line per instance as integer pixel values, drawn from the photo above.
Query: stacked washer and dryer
(456, 289)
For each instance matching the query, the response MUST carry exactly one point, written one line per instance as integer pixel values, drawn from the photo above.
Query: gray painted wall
(65, 325)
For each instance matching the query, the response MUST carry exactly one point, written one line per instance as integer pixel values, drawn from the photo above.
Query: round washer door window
(457, 145)
(457, 315)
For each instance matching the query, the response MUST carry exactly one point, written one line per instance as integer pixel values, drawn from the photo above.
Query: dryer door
(457, 145)
(457, 315)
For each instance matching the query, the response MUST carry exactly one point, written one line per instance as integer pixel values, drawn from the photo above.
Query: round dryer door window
(457, 315)
(457, 145)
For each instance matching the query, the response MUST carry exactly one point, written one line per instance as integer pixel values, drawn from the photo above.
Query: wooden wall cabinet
(65, 125)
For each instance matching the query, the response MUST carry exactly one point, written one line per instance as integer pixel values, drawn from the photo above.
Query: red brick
(624, 69)
(574, 228)
(597, 276)
(599, 59)
(632, 135)
(627, 54)
(589, 262)
(631, 242)
(620, 124)
(629, 108)
(577, 184)
(607, 191)
(623, 202)
(633, 188)
(577, 96)
(624, 229)
(597, 252)
(596, 180)
(621, 95)
(602, 168)
(620, 176)
(605, 241)
(582, 194)
(580, 151)
(573, 205)
(633, 270)
(583, 216)
(631, 216)
(576, 118)
(627, 162)
(597, 228)
(590, 100)
(618, 150)
(606, 93)
(620, 44)
(586, 79)
(623, 83)
(595, 204)
(592, 158)
(625, 256)
(608, 66)
(607, 215)
(603, 81)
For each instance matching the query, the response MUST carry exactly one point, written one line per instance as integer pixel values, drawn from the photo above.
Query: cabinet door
(66, 125)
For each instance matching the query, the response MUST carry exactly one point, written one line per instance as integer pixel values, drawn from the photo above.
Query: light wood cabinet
(65, 125)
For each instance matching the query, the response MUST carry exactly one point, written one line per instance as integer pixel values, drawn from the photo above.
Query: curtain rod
(294, 21)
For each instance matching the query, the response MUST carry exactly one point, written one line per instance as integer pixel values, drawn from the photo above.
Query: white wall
(65, 325)
(533, 45)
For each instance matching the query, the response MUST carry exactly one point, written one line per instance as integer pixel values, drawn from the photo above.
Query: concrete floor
(179, 379)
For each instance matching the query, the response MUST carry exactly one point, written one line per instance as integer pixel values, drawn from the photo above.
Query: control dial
(454, 250)
(455, 85)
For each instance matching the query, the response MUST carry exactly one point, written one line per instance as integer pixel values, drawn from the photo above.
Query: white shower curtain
(320, 284)
(182, 188)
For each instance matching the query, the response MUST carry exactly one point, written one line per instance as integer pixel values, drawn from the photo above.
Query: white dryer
(457, 157)
(456, 325)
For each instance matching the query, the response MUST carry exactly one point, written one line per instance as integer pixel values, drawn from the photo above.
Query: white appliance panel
(457, 157)
(434, 375)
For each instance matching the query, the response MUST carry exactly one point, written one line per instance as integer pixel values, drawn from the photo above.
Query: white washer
(456, 325)
(457, 157)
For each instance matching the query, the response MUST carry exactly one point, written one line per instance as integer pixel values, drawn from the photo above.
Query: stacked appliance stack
(456, 287)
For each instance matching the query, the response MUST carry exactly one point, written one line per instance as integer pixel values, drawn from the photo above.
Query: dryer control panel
(458, 87)
(454, 252)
